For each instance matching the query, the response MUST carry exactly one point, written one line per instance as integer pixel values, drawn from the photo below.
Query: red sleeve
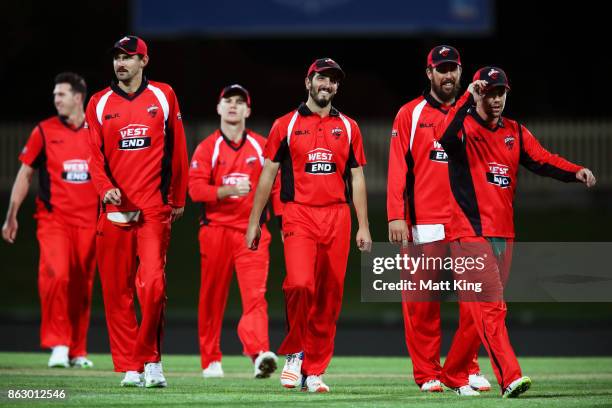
(274, 146)
(96, 142)
(35, 145)
(540, 161)
(201, 188)
(396, 174)
(357, 145)
(180, 161)
(448, 131)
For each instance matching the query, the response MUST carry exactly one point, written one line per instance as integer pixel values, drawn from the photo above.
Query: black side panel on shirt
(166, 164)
(351, 163)
(203, 218)
(44, 181)
(462, 186)
(543, 169)
(283, 157)
(409, 190)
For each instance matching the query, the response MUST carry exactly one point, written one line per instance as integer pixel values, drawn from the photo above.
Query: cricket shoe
(59, 357)
(314, 383)
(132, 379)
(214, 370)
(432, 386)
(154, 376)
(81, 362)
(265, 364)
(466, 391)
(517, 387)
(479, 382)
(291, 377)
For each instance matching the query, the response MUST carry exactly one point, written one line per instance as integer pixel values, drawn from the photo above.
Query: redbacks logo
(437, 153)
(152, 110)
(76, 171)
(509, 141)
(444, 51)
(498, 174)
(493, 73)
(336, 132)
(124, 40)
(134, 137)
(251, 160)
(319, 161)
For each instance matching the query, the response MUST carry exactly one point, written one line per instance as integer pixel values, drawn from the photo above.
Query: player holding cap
(418, 194)
(320, 153)
(66, 213)
(224, 170)
(139, 168)
(485, 150)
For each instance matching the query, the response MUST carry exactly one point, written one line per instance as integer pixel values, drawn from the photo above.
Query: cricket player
(224, 171)
(66, 213)
(320, 153)
(139, 168)
(485, 150)
(418, 194)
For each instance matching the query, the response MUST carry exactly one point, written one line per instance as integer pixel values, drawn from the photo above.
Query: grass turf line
(354, 381)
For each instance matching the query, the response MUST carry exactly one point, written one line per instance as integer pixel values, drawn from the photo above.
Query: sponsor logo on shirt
(394, 133)
(76, 171)
(111, 116)
(498, 175)
(437, 153)
(509, 141)
(194, 164)
(134, 137)
(426, 125)
(301, 132)
(320, 162)
(233, 179)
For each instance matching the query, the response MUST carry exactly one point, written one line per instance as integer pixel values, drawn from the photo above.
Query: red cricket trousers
(222, 249)
(131, 259)
(421, 313)
(317, 241)
(65, 279)
(484, 316)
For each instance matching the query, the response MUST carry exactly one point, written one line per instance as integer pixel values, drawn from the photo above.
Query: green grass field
(354, 382)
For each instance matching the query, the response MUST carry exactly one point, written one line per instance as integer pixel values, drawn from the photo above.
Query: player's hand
(9, 230)
(252, 236)
(177, 212)
(398, 232)
(242, 188)
(586, 176)
(112, 196)
(364, 239)
(477, 88)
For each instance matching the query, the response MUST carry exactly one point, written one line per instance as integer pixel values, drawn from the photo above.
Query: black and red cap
(131, 45)
(494, 76)
(326, 64)
(441, 54)
(235, 89)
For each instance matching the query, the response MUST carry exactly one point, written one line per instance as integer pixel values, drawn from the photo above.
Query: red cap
(326, 64)
(441, 54)
(235, 89)
(494, 77)
(132, 45)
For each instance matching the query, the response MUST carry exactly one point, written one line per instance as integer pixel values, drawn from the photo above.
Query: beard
(442, 94)
(321, 102)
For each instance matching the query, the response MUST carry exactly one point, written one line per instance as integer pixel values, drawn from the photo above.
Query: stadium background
(559, 71)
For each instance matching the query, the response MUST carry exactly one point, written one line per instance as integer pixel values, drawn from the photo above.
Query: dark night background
(555, 53)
